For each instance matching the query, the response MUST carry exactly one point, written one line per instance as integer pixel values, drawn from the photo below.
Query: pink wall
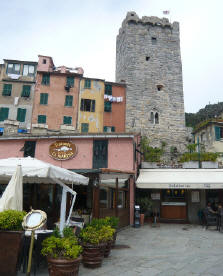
(82, 160)
(120, 152)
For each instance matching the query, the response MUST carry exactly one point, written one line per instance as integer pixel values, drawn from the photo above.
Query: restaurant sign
(62, 150)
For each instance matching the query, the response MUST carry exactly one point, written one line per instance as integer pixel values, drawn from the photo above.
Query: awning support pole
(63, 209)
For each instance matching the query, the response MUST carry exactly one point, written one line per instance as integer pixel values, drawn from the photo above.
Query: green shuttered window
(108, 89)
(70, 81)
(43, 98)
(68, 100)
(41, 119)
(46, 79)
(67, 120)
(7, 90)
(107, 106)
(87, 83)
(4, 113)
(21, 114)
(26, 91)
(84, 127)
(218, 133)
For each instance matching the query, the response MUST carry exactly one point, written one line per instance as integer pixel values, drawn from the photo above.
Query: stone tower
(148, 59)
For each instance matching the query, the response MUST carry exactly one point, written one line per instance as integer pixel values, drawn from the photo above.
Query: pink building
(55, 104)
(109, 160)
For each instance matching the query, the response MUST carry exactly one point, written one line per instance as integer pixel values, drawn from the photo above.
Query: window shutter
(108, 89)
(43, 98)
(67, 120)
(217, 133)
(93, 106)
(105, 129)
(21, 115)
(70, 81)
(41, 119)
(107, 106)
(7, 89)
(4, 113)
(26, 91)
(112, 129)
(69, 100)
(84, 127)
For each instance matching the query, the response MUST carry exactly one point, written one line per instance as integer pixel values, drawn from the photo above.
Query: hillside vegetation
(210, 111)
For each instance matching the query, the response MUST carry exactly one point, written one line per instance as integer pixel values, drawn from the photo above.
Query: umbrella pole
(30, 253)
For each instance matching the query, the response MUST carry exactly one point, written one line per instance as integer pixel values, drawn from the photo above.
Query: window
(109, 129)
(107, 106)
(88, 105)
(84, 127)
(68, 100)
(41, 119)
(154, 118)
(4, 113)
(67, 120)
(159, 87)
(121, 199)
(7, 89)
(13, 69)
(103, 197)
(46, 79)
(218, 133)
(21, 115)
(70, 81)
(108, 89)
(87, 83)
(29, 148)
(147, 58)
(26, 91)
(154, 40)
(28, 70)
(44, 61)
(43, 98)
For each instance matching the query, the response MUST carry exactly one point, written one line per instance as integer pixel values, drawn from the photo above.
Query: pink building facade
(109, 160)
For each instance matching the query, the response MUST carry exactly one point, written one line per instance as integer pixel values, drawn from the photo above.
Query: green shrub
(95, 235)
(151, 154)
(195, 156)
(112, 221)
(57, 246)
(11, 220)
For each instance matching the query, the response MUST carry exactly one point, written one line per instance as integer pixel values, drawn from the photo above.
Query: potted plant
(11, 235)
(63, 253)
(94, 240)
(145, 204)
(113, 222)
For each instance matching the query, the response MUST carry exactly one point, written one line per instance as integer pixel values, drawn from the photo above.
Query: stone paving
(168, 250)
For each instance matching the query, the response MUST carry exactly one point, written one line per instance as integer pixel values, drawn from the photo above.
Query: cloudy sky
(83, 33)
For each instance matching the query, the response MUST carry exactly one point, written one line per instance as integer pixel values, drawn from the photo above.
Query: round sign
(35, 219)
(62, 150)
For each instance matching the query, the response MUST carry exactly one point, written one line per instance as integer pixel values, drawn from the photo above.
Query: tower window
(147, 58)
(154, 118)
(159, 87)
(154, 40)
(44, 61)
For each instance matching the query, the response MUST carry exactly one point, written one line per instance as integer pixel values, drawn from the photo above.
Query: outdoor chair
(210, 219)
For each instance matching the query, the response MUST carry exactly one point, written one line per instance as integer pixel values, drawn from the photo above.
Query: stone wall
(148, 59)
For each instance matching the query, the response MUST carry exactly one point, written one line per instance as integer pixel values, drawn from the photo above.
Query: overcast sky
(83, 33)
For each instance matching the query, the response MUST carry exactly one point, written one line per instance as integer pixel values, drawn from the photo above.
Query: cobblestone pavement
(168, 250)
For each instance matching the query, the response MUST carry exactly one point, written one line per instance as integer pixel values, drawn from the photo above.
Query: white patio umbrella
(12, 197)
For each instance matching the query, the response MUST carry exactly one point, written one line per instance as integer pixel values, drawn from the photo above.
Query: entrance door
(100, 151)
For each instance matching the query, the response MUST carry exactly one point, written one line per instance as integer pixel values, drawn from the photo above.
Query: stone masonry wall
(148, 59)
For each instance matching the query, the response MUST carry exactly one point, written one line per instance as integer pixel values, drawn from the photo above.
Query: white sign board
(195, 196)
(155, 196)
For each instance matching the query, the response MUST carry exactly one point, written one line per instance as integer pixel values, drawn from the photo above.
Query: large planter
(114, 239)
(191, 165)
(209, 165)
(10, 246)
(93, 255)
(63, 267)
(149, 165)
(107, 250)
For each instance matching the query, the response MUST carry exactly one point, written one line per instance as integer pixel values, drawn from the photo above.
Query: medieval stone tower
(148, 59)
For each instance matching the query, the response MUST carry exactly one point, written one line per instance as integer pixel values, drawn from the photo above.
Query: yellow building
(91, 105)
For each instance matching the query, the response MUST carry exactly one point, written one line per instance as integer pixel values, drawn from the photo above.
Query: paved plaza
(168, 250)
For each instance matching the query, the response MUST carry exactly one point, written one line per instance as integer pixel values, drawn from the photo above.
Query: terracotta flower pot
(10, 242)
(63, 267)
(114, 239)
(93, 255)
(107, 250)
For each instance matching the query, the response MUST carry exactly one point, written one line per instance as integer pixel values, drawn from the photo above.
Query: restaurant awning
(180, 179)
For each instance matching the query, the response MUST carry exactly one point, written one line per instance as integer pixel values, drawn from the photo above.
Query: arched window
(156, 118)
